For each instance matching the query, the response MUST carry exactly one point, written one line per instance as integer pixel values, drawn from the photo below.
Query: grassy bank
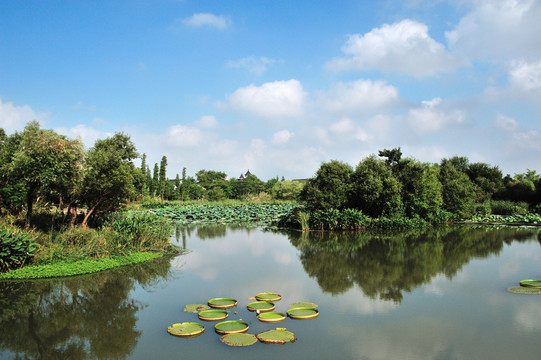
(80, 267)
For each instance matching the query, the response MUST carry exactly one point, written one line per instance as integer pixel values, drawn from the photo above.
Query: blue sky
(278, 87)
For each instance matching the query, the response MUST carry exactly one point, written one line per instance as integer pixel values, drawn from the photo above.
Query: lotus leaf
(303, 304)
(239, 339)
(186, 329)
(213, 315)
(525, 290)
(271, 317)
(222, 303)
(303, 313)
(277, 336)
(531, 283)
(195, 308)
(231, 327)
(261, 306)
(268, 296)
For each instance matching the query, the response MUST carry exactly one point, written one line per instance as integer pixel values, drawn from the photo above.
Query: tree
(488, 178)
(375, 190)
(178, 192)
(155, 184)
(287, 190)
(162, 177)
(393, 156)
(214, 183)
(108, 180)
(458, 191)
(47, 164)
(330, 188)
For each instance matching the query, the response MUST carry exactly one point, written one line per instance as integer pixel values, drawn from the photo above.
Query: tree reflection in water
(78, 318)
(385, 265)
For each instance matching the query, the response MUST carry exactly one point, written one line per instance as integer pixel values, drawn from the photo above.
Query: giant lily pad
(261, 306)
(303, 313)
(222, 303)
(268, 296)
(186, 329)
(303, 304)
(531, 283)
(525, 290)
(271, 317)
(195, 308)
(231, 327)
(239, 339)
(212, 315)
(277, 336)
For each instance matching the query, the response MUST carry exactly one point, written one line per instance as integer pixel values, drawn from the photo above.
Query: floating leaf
(531, 283)
(186, 329)
(277, 336)
(303, 304)
(231, 327)
(303, 313)
(239, 339)
(213, 315)
(525, 290)
(222, 303)
(268, 296)
(261, 306)
(195, 308)
(271, 317)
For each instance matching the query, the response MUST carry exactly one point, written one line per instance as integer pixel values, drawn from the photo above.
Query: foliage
(88, 266)
(459, 192)
(330, 188)
(504, 207)
(16, 248)
(287, 190)
(521, 219)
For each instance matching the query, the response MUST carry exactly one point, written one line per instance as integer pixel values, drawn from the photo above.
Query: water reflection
(77, 318)
(385, 266)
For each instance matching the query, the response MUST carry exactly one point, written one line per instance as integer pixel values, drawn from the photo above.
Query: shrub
(503, 207)
(15, 249)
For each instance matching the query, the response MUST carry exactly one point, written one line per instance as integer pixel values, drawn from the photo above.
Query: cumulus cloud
(87, 134)
(207, 122)
(252, 64)
(184, 136)
(271, 100)
(506, 123)
(347, 127)
(14, 118)
(525, 76)
(281, 137)
(359, 96)
(403, 47)
(433, 117)
(502, 28)
(206, 19)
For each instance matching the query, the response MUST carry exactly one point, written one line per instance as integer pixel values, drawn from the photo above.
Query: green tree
(376, 192)
(214, 184)
(458, 191)
(155, 183)
(163, 177)
(178, 190)
(330, 188)
(488, 179)
(108, 180)
(287, 190)
(185, 186)
(249, 185)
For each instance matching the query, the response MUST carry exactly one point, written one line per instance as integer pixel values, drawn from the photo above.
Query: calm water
(439, 295)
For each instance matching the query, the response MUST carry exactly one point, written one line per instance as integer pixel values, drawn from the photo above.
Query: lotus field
(257, 214)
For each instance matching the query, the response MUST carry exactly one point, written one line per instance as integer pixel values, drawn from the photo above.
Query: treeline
(392, 187)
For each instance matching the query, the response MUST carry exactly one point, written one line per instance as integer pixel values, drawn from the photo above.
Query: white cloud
(252, 64)
(525, 76)
(506, 123)
(207, 122)
(87, 134)
(206, 19)
(14, 118)
(271, 100)
(281, 137)
(361, 95)
(254, 153)
(432, 117)
(184, 136)
(503, 28)
(529, 140)
(403, 47)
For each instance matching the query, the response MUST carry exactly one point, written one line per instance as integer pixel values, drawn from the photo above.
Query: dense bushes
(16, 249)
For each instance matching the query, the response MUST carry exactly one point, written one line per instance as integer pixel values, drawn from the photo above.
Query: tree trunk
(90, 211)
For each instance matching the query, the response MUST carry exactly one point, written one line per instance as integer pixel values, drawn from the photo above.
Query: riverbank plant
(16, 248)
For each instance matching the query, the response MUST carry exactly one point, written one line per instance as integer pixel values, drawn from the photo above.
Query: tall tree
(162, 177)
(155, 184)
(330, 188)
(108, 180)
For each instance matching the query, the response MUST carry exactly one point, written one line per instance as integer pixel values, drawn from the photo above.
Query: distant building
(243, 177)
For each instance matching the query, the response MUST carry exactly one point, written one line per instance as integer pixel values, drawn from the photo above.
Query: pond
(440, 294)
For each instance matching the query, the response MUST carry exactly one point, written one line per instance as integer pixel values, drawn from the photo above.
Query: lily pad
(231, 327)
(239, 339)
(186, 329)
(271, 317)
(261, 306)
(276, 336)
(531, 283)
(268, 296)
(303, 313)
(213, 315)
(195, 308)
(303, 304)
(222, 303)
(525, 290)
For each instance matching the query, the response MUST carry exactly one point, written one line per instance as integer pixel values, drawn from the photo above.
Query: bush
(504, 207)
(16, 249)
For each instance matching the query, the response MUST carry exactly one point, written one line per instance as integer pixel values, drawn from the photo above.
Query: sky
(277, 87)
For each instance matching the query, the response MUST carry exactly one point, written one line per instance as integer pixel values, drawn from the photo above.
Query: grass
(80, 267)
